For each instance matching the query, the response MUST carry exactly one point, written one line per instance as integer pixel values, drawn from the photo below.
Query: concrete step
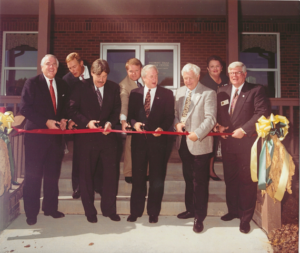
(172, 205)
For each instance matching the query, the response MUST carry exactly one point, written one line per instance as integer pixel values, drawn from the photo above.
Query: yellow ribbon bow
(7, 119)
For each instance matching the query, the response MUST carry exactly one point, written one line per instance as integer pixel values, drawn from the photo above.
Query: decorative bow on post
(276, 166)
(6, 120)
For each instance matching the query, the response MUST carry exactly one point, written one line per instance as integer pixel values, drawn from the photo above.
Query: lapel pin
(243, 95)
(157, 98)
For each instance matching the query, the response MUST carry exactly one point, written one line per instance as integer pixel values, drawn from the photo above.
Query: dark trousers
(43, 157)
(240, 190)
(98, 153)
(75, 165)
(196, 175)
(154, 154)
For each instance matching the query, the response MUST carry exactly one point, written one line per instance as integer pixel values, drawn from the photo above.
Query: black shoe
(31, 221)
(198, 226)
(185, 215)
(153, 218)
(216, 178)
(245, 227)
(92, 218)
(128, 180)
(229, 216)
(131, 218)
(76, 195)
(55, 214)
(114, 217)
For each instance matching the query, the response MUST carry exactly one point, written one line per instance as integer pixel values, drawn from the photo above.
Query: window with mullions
(260, 53)
(19, 61)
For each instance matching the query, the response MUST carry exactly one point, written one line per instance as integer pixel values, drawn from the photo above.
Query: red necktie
(82, 77)
(233, 102)
(52, 93)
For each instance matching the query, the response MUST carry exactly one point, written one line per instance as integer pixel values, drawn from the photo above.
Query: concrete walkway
(74, 234)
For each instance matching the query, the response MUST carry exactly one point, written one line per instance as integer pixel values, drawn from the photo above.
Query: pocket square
(63, 95)
(225, 102)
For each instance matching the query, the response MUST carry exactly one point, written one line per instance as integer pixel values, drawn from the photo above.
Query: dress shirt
(152, 94)
(232, 94)
(85, 73)
(53, 85)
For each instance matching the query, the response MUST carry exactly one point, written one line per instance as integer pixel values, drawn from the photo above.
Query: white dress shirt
(152, 94)
(53, 85)
(85, 73)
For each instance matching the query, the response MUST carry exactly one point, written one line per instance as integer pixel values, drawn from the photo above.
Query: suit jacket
(201, 118)
(161, 114)
(252, 103)
(73, 81)
(36, 103)
(126, 86)
(84, 107)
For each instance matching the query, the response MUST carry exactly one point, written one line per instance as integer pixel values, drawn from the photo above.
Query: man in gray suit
(131, 81)
(195, 112)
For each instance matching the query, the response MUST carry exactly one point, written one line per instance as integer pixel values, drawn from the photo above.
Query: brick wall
(199, 38)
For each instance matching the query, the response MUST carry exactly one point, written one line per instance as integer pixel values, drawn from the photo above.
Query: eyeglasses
(235, 73)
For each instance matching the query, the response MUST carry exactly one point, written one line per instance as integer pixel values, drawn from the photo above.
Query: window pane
(258, 50)
(116, 60)
(15, 80)
(163, 60)
(21, 50)
(265, 78)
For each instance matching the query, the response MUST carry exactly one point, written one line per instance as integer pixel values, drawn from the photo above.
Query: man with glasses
(240, 105)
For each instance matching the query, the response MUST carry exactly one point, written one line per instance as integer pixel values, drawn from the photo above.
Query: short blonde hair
(73, 56)
(133, 61)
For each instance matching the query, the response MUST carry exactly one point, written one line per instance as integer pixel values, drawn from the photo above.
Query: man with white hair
(240, 105)
(151, 108)
(43, 105)
(195, 112)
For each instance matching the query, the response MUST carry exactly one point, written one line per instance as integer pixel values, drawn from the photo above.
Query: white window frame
(140, 49)
(275, 70)
(4, 68)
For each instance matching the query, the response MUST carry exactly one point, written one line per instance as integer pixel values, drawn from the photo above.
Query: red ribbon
(100, 130)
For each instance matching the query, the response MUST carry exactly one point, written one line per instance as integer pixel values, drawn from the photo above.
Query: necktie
(186, 107)
(139, 84)
(52, 93)
(99, 97)
(82, 77)
(233, 102)
(147, 103)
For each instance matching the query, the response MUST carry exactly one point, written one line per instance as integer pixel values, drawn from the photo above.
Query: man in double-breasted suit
(43, 105)
(78, 73)
(97, 105)
(195, 112)
(240, 105)
(153, 108)
(131, 81)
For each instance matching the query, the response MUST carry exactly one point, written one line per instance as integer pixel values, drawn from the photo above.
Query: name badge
(225, 102)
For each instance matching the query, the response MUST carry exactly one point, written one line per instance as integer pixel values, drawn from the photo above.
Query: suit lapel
(240, 101)
(45, 90)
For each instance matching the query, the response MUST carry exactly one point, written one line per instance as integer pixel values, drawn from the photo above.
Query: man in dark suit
(240, 105)
(43, 103)
(153, 108)
(78, 73)
(97, 106)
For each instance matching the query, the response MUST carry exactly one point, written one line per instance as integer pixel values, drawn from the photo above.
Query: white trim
(3, 68)
(278, 69)
(140, 54)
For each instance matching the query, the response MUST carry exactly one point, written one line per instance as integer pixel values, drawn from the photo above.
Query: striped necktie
(52, 93)
(147, 103)
(233, 102)
(99, 97)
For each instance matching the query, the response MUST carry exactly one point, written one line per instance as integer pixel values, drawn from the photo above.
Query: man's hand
(91, 124)
(51, 124)
(107, 127)
(63, 124)
(221, 130)
(192, 136)
(124, 125)
(238, 133)
(179, 127)
(138, 125)
(71, 123)
(158, 130)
